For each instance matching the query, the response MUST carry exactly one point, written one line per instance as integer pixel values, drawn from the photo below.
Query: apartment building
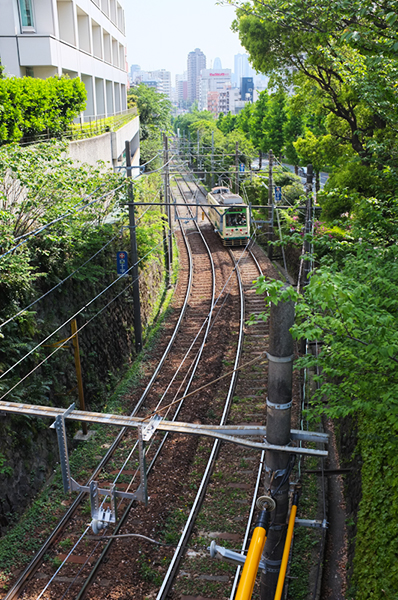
(196, 62)
(79, 38)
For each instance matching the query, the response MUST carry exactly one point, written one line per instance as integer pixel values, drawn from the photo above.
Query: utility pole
(279, 402)
(198, 149)
(308, 225)
(76, 350)
(237, 167)
(270, 204)
(167, 199)
(212, 159)
(134, 255)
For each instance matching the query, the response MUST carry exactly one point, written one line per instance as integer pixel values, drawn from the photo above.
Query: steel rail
(256, 488)
(175, 561)
(35, 562)
(122, 520)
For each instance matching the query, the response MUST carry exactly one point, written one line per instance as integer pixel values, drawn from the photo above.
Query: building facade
(228, 100)
(78, 38)
(196, 62)
(247, 89)
(212, 80)
(242, 68)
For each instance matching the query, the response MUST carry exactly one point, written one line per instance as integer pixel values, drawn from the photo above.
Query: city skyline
(161, 36)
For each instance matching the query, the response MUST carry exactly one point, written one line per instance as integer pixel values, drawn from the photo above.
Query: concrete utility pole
(237, 167)
(134, 255)
(270, 204)
(279, 402)
(167, 200)
(308, 224)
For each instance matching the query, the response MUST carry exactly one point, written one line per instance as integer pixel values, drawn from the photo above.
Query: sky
(160, 33)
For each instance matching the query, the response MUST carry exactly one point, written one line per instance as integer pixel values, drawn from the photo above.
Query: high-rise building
(134, 69)
(160, 79)
(42, 38)
(217, 64)
(242, 68)
(196, 62)
(246, 89)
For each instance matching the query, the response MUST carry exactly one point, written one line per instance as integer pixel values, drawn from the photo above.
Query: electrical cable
(58, 284)
(62, 345)
(62, 564)
(73, 317)
(75, 271)
(70, 212)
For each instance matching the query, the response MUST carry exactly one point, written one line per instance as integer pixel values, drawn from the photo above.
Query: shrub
(29, 107)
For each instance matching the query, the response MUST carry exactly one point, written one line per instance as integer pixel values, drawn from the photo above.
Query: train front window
(235, 219)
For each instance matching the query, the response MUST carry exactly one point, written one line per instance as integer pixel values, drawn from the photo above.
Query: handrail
(250, 568)
(286, 550)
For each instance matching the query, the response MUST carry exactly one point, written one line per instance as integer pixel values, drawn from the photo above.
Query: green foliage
(202, 133)
(154, 109)
(226, 123)
(4, 468)
(39, 184)
(32, 106)
(376, 548)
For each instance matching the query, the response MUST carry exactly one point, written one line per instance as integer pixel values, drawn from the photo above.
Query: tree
(226, 123)
(340, 50)
(154, 109)
(293, 128)
(275, 123)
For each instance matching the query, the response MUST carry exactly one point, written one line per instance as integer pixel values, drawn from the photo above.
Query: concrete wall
(109, 147)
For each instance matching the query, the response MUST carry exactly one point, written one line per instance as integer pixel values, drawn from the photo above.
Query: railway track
(65, 585)
(184, 474)
(228, 506)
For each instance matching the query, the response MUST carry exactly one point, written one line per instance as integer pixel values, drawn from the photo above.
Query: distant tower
(196, 62)
(242, 68)
(217, 64)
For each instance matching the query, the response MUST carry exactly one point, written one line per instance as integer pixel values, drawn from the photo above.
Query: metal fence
(85, 127)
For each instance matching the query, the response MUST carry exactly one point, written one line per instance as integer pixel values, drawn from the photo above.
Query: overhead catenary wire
(75, 271)
(64, 342)
(71, 318)
(58, 284)
(60, 218)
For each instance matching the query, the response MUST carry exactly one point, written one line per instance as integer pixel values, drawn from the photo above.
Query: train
(230, 216)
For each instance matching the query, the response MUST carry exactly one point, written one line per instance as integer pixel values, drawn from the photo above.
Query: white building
(80, 38)
(212, 80)
(228, 101)
(160, 79)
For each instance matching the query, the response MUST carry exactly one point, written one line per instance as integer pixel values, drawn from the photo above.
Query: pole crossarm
(236, 434)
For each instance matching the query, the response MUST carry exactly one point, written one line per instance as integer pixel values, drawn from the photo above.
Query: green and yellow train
(230, 216)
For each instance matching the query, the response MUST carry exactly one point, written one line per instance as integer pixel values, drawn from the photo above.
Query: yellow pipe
(286, 551)
(250, 568)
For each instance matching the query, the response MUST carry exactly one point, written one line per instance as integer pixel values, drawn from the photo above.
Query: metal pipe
(286, 550)
(248, 577)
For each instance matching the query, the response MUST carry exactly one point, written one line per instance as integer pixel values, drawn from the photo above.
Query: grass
(97, 126)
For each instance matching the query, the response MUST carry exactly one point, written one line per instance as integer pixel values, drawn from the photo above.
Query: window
(235, 219)
(26, 12)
